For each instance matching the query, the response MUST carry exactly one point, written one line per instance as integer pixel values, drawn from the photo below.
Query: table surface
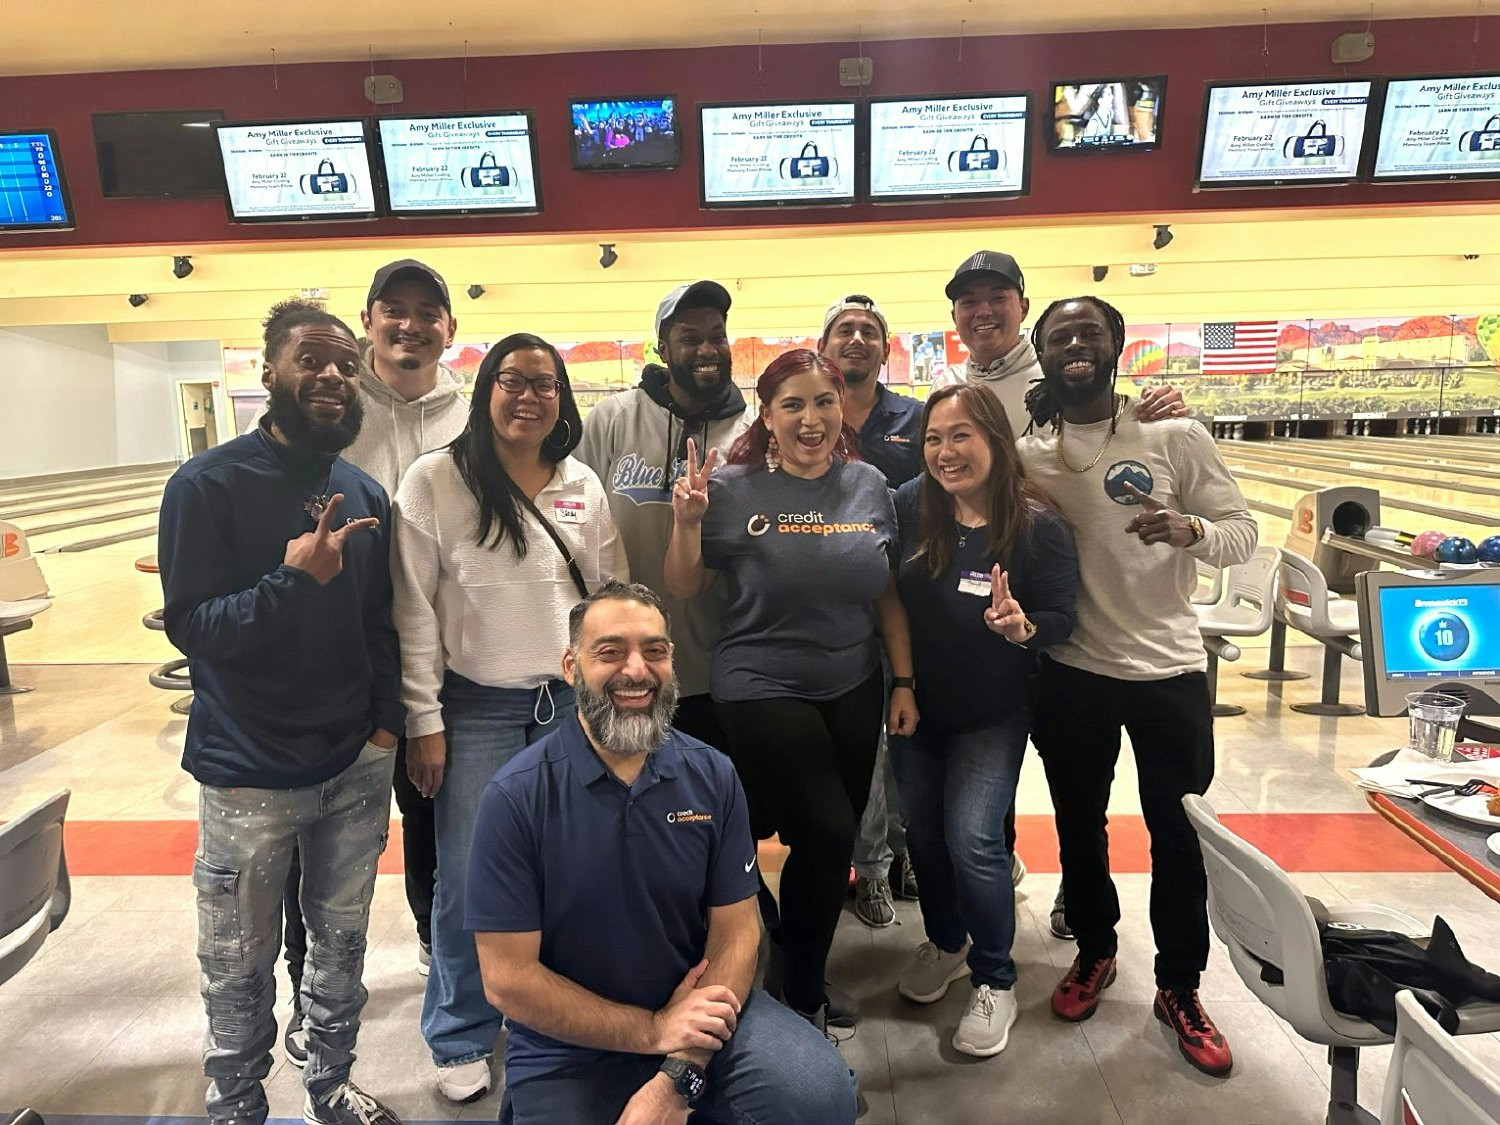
(147, 564)
(1456, 843)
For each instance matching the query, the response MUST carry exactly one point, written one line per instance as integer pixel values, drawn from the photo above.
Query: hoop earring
(568, 431)
(773, 454)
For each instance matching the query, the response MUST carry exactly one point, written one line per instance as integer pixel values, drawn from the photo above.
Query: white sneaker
(1017, 869)
(465, 1082)
(931, 972)
(985, 1028)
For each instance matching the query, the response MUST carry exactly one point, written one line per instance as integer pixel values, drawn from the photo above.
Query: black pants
(806, 768)
(419, 856)
(1079, 716)
(697, 718)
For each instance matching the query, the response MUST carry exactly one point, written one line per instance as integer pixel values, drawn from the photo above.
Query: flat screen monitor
(33, 193)
(297, 171)
(1439, 129)
(790, 154)
(1430, 631)
(974, 146)
(1287, 134)
(163, 153)
(464, 164)
(625, 133)
(1107, 115)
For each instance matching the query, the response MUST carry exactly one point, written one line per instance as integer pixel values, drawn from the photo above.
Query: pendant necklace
(1113, 418)
(317, 502)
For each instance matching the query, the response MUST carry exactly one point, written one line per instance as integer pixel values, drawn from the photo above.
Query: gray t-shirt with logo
(803, 562)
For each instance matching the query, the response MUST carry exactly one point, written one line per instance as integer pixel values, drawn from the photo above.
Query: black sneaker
(1058, 922)
(347, 1105)
(294, 1043)
(872, 903)
(903, 877)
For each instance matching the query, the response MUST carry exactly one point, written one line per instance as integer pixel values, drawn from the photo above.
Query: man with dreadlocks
(1145, 503)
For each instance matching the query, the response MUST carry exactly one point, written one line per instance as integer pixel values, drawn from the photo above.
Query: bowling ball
(1456, 549)
(1426, 543)
(1489, 550)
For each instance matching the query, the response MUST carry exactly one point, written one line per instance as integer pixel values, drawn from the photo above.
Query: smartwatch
(687, 1079)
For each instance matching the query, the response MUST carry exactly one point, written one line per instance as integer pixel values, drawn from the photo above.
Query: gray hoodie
(1009, 378)
(396, 432)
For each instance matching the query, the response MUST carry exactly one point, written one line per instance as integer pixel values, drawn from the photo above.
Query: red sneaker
(1077, 994)
(1200, 1042)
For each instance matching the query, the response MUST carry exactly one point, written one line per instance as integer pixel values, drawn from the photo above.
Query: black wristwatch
(904, 681)
(686, 1078)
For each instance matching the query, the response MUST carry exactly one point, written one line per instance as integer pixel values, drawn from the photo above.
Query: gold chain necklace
(1113, 418)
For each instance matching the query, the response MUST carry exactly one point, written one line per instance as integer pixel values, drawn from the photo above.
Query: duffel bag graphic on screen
(1482, 140)
(328, 180)
(488, 173)
(1317, 141)
(978, 157)
(808, 165)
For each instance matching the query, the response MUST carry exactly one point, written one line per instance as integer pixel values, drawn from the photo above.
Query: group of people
(601, 658)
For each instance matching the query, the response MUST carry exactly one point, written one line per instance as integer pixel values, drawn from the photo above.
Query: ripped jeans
(245, 842)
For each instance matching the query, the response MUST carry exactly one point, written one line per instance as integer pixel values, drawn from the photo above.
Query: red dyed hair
(750, 448)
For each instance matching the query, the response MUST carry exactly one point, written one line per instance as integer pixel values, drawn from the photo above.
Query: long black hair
(473, 451)
(1041, 403)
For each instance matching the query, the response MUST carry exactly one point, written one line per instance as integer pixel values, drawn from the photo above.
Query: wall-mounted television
(625, 133)
(970, 146)
(460, 164)
(162, 153)
(297, 171)
(33, 192)
(784, 154)
(1107, 114)
(1439, 128)
(1283, 134)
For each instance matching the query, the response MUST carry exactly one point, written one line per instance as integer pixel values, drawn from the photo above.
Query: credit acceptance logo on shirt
(688, 816)
(802, 523)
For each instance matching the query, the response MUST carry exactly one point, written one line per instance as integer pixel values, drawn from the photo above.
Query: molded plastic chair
(1246, 603)
(1207, 595)
(1265, 921)
(1304, 603)
(34, 894)
(1433, 1080)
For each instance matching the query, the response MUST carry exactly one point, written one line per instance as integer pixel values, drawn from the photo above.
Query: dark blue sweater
(289, 678)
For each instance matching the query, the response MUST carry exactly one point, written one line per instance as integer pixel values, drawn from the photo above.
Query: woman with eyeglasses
(496, 536)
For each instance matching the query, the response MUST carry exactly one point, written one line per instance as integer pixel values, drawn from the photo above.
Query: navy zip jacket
(289, 678)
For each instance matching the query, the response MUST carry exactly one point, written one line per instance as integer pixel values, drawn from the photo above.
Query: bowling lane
(1415, 488)
(81, 517)
(67, 492)
(1363, 452)
(141, 528)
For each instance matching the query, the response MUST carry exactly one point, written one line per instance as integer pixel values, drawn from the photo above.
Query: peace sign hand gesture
(320, 552)
(1157, 523)
(690, 493)
(1005, 615)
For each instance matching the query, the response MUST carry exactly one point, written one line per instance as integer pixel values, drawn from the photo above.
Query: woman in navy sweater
(988, 577)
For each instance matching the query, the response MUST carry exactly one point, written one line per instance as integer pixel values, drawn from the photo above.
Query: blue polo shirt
(891, 438)
(618, 880)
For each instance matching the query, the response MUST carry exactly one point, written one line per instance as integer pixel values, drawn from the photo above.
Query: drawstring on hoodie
(543, 693)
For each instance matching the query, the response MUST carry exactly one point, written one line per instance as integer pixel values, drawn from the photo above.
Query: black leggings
(806, 767)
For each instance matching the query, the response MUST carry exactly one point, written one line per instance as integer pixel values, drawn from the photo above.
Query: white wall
(57, 400)
(145, 408)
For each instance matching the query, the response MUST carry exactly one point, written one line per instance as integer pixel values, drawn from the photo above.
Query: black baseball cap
(407, 269)
(986, 263)
(698, 295)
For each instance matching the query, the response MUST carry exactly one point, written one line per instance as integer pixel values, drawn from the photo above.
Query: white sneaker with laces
(465, 1082)
(985, 1028)
(927, 978)
(348, 1105)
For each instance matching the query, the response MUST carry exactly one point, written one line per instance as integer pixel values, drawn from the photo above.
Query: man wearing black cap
(636, 441)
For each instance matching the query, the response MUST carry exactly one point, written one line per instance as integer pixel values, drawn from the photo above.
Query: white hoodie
(1009, 378)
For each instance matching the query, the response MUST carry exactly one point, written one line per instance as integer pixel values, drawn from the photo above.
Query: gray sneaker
(1058, 922)
(927, 978)
(872, 902)
(903, 877)
(985, 1028)
(347, 1105)
(1017, 869)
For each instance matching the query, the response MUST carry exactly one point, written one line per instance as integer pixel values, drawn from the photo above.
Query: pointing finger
(1145, 500)
(351, 527)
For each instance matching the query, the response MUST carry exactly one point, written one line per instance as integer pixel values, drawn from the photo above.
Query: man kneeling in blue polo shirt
(611, 893)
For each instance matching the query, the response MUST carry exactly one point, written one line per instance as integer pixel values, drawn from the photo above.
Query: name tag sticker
(974, 582)
(570, 511)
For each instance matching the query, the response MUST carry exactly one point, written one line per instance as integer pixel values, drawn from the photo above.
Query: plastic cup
(1434, 723)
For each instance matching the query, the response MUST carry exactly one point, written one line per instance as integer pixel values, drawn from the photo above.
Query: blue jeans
(486, 727)
(955, 788)
(245, 842)
(776, 1069)
(881, 831)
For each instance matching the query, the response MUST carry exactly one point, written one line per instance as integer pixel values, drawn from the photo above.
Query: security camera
(1101, 272)
(1163, 236)
(608, 257)
(182, 265)
(137, 300)
(475, 292)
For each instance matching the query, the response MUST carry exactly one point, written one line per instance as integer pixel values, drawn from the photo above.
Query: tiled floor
(107, 1021)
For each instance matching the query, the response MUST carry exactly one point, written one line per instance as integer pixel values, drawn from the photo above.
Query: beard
(303, 431)
(1076, 394)
(687, 382)
(621, 732)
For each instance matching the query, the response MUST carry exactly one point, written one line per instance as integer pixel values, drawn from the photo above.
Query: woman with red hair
(805, 535)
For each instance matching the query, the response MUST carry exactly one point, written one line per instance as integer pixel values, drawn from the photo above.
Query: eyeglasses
(545, 386)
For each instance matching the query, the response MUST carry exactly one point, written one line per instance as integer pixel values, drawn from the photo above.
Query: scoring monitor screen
(1450, 630)
(1283, 133)
(33, 194)
(777, 155)
(1440, 129)
(460, 165)
(296, 171)
(941, 148)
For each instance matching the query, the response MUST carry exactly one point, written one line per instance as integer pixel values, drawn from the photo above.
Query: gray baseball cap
(698, 295)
